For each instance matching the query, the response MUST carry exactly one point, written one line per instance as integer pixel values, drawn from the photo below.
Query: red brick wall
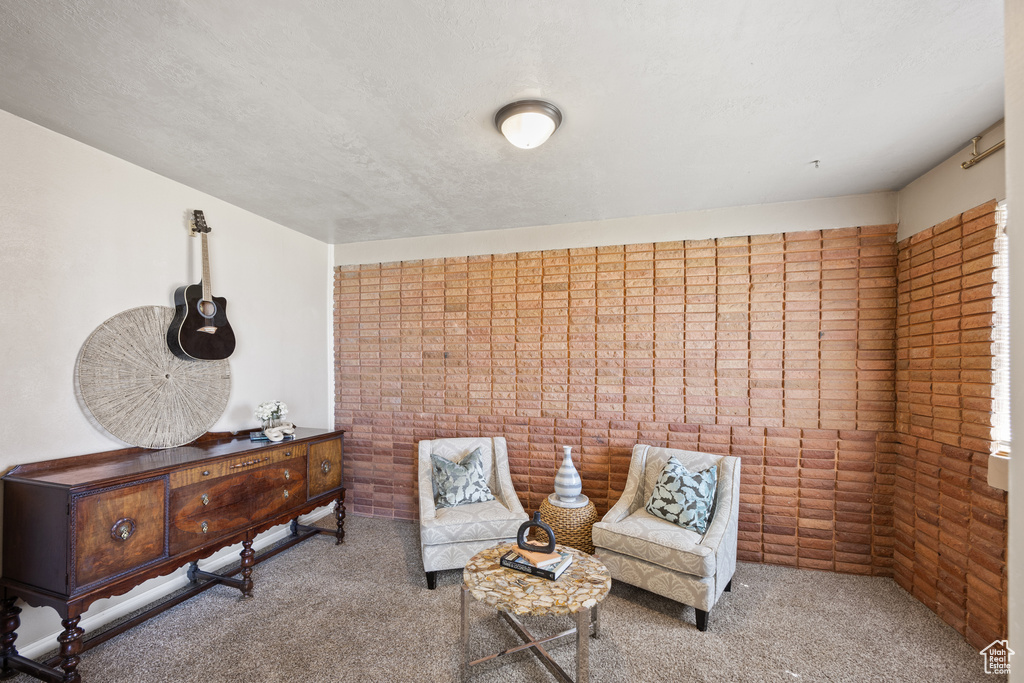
(778, 349)
(950, 526)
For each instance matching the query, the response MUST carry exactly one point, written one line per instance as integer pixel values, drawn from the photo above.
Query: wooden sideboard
(93, 526)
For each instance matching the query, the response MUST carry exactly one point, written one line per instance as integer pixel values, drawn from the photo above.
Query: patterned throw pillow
(683, 497)
(459, 483)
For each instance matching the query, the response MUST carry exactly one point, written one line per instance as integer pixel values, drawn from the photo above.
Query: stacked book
(260, 436)
(546, 565)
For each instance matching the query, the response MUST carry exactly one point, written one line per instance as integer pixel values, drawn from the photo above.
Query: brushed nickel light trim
(526, 108)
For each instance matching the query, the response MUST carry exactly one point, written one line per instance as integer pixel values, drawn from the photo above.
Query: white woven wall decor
(139, 391)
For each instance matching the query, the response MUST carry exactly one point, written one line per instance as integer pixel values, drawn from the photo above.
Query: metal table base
(587, 622)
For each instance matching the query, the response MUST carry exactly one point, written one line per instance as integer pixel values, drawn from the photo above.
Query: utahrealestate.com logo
(997, 657)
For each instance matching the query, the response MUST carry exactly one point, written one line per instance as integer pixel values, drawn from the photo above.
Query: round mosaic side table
(572, 526)
(577, 592)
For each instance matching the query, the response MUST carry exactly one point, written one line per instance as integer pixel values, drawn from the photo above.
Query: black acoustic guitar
(200, 329)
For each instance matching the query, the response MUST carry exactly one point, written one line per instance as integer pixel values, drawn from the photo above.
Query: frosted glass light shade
(529, 123)
(529, 129)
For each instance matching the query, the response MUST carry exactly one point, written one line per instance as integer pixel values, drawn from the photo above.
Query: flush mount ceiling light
(528, 123)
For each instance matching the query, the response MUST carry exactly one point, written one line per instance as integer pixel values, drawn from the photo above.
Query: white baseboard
(168, 584)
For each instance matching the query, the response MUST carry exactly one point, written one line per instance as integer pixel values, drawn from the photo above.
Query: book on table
(514, 559)
(540, 559)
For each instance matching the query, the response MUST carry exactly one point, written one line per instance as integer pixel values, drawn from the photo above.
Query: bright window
(1001, 340)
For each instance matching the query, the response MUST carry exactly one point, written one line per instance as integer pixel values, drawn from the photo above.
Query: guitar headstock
(199, 222)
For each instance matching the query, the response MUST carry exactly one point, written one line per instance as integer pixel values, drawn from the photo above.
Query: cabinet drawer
(278, 487)
(119, 529)
(223, 468)
(192, 532)
(206, 496)
(325, 462)
(208, 509)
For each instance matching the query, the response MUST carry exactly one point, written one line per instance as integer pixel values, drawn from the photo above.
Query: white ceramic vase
(568, 485)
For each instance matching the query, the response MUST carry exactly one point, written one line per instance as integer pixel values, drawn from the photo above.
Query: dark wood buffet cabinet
(79, 529)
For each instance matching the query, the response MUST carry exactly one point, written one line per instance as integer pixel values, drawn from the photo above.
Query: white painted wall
(86, 235)
(761, 219)
(1015, 226)
(329, 325)
(948, 189)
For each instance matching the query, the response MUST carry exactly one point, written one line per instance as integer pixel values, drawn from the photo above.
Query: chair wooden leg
(728, 586)
(431, 580)
(702, 620)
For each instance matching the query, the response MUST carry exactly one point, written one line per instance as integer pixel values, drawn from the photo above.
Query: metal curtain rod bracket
(976, 157)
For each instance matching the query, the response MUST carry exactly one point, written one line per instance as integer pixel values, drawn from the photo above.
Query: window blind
(1001, 339)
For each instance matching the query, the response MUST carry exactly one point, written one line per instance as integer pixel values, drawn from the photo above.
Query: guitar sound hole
(207, 309)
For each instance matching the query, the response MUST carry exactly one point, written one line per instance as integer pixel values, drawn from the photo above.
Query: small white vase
(568, 485)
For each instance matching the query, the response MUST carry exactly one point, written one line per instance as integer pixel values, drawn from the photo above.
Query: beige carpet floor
(361, 612)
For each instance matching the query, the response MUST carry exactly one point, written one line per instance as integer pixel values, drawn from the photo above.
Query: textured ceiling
(353, 121)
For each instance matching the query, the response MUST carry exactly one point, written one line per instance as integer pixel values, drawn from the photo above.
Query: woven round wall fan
(139, 391)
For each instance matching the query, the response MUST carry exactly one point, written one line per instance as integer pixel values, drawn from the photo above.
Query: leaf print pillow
(683, 497)
(459, 483)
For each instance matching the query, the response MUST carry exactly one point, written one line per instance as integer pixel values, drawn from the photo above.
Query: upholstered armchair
(647, 551)
(450, 536)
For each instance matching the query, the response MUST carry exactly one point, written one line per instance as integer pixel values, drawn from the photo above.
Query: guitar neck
(207, 287)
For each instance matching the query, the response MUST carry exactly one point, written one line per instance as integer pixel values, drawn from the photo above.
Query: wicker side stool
(572, 526)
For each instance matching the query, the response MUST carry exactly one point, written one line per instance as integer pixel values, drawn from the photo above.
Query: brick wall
(778, 349)
(950, 526)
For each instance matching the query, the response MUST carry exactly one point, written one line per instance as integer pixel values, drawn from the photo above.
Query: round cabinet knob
(122, 529)
(205, 499)
(325, 466)
(206, 473)
(286, 493)
(205, 527)
(287, 475)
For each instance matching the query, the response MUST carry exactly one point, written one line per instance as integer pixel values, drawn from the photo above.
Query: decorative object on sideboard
(200, 329)
(524, 530)
(137, 390)
(271, 413)
(271, 416)
(283, 431)
(568, 485)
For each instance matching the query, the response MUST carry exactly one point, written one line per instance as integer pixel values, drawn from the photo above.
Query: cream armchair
(647, 551)
(450, 536)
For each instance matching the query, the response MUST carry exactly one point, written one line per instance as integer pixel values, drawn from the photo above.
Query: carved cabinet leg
(70, 645)
(248, 560)
(9, 623)
(339, 513)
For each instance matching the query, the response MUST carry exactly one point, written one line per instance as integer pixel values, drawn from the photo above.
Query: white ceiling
(354, 121)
